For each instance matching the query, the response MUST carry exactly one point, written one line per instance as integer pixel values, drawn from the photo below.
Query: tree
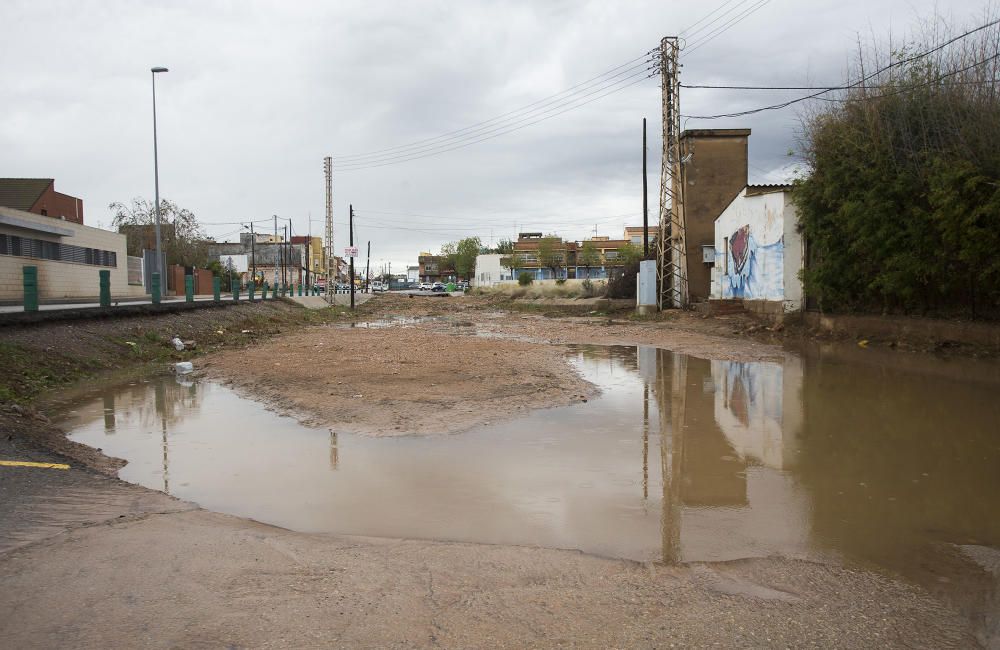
(629, 253)
(465, 259)
(182, 239)
(461, 255)
(901, 208)
(551, 254)
(588, 256)
(504, 247)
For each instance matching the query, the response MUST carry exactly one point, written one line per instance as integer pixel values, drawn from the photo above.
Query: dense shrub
(524, 279)
(621, 283)
(901, 209)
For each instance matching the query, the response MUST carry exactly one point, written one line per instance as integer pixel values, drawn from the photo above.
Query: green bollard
(154, 288)
(30, 288)
(236, 293)
(105, 283)
(263, 292)
(188, 288)
(250, 290)
(217, 289)
(300, 290)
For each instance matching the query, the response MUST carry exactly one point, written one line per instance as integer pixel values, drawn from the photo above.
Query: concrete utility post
(331, 260)
(156, 178)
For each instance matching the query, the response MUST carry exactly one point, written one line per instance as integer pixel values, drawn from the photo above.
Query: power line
(478, 132)
(545, 101)
(404, 158)
(858, 83)
(685, 32)
(725, 27)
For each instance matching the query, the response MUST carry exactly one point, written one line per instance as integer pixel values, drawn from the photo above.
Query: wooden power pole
(671, 248)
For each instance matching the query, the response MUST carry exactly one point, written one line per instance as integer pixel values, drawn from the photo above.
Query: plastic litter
(183, 367)
(177, 343)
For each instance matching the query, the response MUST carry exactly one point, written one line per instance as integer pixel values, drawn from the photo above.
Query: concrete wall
(713, 176)
(489, 271)
(758, 251)
(58, 279)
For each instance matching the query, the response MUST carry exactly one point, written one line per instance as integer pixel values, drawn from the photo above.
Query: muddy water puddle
(860, 458)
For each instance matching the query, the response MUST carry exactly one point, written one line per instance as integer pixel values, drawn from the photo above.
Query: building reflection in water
(722, 426)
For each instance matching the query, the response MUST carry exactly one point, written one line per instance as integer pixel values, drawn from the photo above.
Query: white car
(426, 286)
(379, 287)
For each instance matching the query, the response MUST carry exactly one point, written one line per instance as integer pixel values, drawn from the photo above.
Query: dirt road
(92, 562)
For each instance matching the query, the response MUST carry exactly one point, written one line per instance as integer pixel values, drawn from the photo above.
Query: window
(45, 212)
(58, 252)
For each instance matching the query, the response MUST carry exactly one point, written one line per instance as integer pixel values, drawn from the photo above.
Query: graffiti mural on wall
(755, 271)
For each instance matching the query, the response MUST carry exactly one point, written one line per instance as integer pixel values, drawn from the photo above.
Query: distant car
(379, 287)
(437, 286)
(426, 286)
(462, 286)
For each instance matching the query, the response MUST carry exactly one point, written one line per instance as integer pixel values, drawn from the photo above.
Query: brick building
(38, 195)
(714, 175)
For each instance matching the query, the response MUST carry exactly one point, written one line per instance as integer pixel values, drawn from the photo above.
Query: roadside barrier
(30, 280)
(104, 276)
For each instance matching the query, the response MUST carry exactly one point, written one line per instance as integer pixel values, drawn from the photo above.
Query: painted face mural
(739, 244)
(755, 271)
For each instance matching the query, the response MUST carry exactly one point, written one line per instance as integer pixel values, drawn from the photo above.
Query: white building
(758, 250)
(412, 274)
(68, 257)
(489, 271)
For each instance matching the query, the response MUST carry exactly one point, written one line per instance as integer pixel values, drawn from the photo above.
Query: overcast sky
(259, 92)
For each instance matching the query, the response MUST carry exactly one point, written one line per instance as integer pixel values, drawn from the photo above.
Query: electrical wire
(545, 101)
(691, 47)
(404, 158)
(686, 31)
(856, 84)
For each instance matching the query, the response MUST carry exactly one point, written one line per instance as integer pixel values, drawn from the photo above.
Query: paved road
(13, 309)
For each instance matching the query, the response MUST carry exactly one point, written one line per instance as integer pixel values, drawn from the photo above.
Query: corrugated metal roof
(753, 190)
(21, 193)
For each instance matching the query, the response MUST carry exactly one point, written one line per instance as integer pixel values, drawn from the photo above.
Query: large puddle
(885, 460)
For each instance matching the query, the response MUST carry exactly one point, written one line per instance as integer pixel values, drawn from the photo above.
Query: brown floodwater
(886, 460)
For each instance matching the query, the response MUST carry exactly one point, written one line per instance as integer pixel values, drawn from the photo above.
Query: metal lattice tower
(671, 247)
(331, 262)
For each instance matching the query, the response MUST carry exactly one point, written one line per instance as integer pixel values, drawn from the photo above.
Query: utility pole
(645, 197)
(253, 251)
(368, 266)
(671, 246)
(331, 261)
(284, 255)
(351, 228)
(274, 242)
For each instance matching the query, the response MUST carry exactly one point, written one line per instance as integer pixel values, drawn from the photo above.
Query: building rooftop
(715, 133)
(756, 190)
(22, 193)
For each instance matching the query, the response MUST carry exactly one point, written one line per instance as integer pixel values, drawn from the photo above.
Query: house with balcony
(550, 257)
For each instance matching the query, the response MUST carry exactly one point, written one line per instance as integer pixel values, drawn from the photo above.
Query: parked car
(437, 286)
(426, 286)
(462, 286)
(379, 287)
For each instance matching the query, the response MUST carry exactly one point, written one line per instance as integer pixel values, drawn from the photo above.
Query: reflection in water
(819, 456)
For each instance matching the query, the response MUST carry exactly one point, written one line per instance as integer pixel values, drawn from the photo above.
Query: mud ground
(427, 365)
(89, 561)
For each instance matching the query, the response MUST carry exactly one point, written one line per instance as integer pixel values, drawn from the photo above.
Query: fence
(135, 274)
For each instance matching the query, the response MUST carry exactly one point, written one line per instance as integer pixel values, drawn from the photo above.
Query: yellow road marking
(24, 463)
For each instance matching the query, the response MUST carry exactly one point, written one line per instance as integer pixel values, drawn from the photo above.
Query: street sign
(351, 251)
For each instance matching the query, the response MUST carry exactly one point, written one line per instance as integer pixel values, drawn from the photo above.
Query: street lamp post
(156, 178)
